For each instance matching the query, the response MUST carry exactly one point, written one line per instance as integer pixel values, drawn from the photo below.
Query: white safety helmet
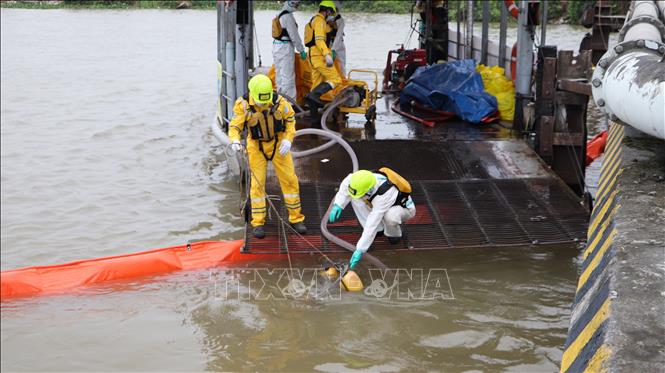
(293, 3)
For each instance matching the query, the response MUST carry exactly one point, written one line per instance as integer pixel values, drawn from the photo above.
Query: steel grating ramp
(450, 214)
(474, 186)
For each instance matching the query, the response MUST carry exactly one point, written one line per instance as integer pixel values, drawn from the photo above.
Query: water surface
(106, 150)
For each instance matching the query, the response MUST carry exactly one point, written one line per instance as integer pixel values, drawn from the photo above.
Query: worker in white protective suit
(381, 201)
(283, 49)
(337, 46)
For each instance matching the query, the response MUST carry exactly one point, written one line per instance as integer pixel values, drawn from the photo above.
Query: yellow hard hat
(328, 4)
(260, 87)
(361, 182)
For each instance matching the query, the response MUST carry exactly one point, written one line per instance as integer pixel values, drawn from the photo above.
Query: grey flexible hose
(324, 117)
(334, 138)
(294, 103)
(340, 242)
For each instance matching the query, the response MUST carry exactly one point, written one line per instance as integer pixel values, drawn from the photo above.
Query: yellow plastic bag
(496, 84)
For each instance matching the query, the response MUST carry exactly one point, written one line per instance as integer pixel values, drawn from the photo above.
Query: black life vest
(277, 27)
(264, 125)
(310, 38)
(330, 36)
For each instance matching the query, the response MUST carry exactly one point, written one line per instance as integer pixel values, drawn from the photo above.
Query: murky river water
(106, 150)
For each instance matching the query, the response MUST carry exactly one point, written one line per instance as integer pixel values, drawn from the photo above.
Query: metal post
(241, 59)
(524, 64)
(502, 35)
(250, 36)
(468, 50)
(242, 45)
(221, 60)
(524, 51)
(458, 51)
(486, 29)
(428, 24)
(230, 77)
(229, 25)
(543, 22)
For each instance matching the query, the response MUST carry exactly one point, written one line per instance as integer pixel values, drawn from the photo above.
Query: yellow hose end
(351, 282)
(330, 272)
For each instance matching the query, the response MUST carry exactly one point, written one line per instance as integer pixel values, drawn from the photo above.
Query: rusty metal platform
(468, 193)
(474, 186)
(450, 214)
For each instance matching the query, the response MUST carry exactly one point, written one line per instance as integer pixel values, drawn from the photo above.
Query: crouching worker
(381, 200)
(271, 128)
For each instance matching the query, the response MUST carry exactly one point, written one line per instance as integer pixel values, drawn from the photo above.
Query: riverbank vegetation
(561, 11)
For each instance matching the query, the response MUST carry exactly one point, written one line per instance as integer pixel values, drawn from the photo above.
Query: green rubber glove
(303, 55)
(334, 54)
(335, 213)
(355, 258)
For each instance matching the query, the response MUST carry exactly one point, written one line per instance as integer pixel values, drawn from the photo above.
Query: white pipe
(628, 82)
(219, 134)
(232, 162)
(633, 98)
(643, 30)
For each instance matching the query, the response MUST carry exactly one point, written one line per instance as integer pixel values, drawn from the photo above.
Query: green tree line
(570, 11)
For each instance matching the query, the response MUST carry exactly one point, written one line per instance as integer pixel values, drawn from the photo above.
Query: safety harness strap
(382, 189)
(274, 150)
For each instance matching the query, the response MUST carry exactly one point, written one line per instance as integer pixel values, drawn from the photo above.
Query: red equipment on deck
(398, 72)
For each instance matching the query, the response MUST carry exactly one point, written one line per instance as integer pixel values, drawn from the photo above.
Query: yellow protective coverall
(265, 123)
(321, 72)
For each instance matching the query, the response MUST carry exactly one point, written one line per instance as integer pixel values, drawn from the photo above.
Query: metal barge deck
(474, 186)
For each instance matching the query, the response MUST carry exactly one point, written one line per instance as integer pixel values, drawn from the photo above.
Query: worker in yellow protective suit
(271, 128)
(324, 75)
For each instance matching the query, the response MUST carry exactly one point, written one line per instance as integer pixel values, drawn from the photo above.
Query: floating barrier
(59, 277)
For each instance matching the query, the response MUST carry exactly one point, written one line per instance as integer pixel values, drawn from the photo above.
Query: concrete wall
(618, 315)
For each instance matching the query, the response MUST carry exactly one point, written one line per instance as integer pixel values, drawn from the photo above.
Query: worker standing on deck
(286, 41)
(381, 200)
(324, 75)
(271, 128)
(335, 39)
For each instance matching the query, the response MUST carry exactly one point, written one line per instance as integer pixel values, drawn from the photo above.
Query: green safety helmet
(260, 87)
(328, 4)
(361, 182)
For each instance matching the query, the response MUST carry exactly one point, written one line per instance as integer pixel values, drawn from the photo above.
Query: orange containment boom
(59, 277)
(595, 147)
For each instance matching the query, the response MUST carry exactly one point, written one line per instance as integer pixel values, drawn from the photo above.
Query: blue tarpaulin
(454, 87)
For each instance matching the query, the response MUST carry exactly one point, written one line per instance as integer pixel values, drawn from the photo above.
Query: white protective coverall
(283, 53)
(383, 215)
(338, 44)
